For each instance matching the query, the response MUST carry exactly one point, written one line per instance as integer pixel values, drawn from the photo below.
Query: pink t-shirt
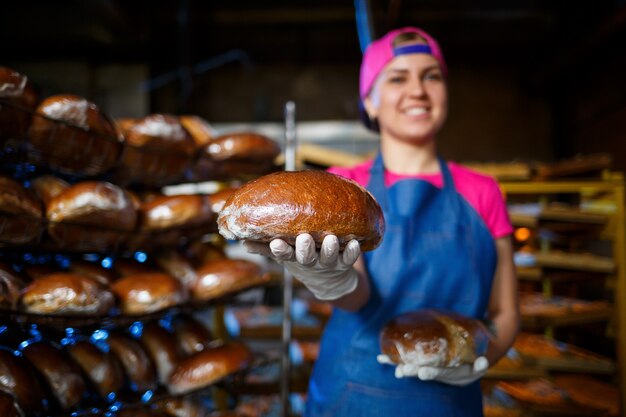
(481, 191)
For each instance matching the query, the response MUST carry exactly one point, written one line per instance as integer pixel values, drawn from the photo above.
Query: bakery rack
(551, 267)
(22, 162)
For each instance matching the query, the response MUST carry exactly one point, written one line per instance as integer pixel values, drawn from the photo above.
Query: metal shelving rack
(612, 186)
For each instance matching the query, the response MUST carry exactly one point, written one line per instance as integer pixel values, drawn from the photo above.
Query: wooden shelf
(568, 318)
(515, 373)
(529, 273)
(575, 261)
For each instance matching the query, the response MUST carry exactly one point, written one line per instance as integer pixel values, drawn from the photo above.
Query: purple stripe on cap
(412, 49)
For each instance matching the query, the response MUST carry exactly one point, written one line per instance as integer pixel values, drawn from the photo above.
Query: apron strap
(377, 174)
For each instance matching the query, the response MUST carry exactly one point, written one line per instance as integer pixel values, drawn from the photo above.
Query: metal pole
(290, 165)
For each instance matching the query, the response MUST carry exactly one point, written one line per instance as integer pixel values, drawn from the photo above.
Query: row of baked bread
(87, 289)
(73, 135)
(48, 375)
(100, 216)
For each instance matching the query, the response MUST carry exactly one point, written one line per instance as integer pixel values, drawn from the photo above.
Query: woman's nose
(415, 87)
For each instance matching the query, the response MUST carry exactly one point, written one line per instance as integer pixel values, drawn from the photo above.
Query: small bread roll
(162, 349)
(218, 199)
(208, 366)
(18, 378)
(21, 213)
(167, 212)
(184, 407)
(199, 252)
(136, 362)
(71, 134)
(91, 215)
(125, 123)
(168, 221)
(236, 155)
(177, 266)
(217, 278)
(285, 204)
(147, 293)
(11, 286)
(19, 99)
(434, 338)
(102, 368)
(242, 146)
(199, 129)
(67, 293)
(47, 187)
(191, 335)
(158, 151)
(9, 406)
(61, 374)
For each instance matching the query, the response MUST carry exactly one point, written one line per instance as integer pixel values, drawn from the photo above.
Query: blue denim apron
(436, 253)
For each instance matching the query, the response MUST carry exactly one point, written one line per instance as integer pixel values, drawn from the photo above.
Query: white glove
(328, 274)
(454, 375)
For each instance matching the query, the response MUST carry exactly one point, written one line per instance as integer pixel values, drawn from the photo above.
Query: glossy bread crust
(285, 204)
(72, 134)
(208, 366)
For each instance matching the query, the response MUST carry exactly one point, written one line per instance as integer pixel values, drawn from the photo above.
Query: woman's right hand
(327, 273)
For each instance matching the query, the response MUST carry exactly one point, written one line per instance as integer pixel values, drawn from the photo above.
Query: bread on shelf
(91, 215)
(220, 277)
(148, 292)
(208, 366)
(60, 373)
(21, 213)
(73, 135)
(101, 367)
(136, 363)
(67, 294)
(158, 150)
(19, 100)
(19, 378)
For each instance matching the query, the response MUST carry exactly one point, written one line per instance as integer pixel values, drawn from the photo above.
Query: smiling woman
(446, 246)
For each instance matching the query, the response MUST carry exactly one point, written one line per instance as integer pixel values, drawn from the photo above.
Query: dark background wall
(529, 80)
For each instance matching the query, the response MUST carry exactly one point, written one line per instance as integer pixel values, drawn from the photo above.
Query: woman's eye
(433, 76)
(396, 79)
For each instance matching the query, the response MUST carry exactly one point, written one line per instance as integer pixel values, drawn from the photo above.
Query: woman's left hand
(456, 375)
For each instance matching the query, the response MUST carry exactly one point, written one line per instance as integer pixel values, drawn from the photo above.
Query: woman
(446, 245)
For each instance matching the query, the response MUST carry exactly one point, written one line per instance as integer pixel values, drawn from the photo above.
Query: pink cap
(380, 52)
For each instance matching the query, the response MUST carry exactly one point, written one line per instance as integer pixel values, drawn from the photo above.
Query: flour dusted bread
(67, 293)
(433, 338)
(20, 99)
(158, 151)
(73, 135)
(91, 215)
(21, 213)
(286, 204)
(236, 155)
